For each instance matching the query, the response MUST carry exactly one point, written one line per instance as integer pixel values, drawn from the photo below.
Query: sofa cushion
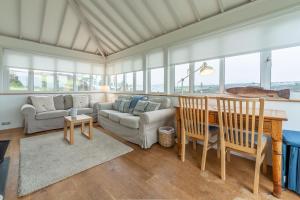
(152, 106)
(117, 115)
(164, 102)
(140, 107)
(52, 114)
(80, 101)
(105, 113)
(117, 104)
(134, 101)
(68, 101)
(130, 121)
(43, 103)
(59, 102)
(124, 106)
(81, 111)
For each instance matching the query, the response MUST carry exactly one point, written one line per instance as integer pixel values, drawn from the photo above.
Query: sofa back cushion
(164, 102)
(152, 106)
(81, 101)
(134, 102)
(124, 106)
(140, 107)
(116, 104)
(68, 101)
(43, 103)
(59, 102)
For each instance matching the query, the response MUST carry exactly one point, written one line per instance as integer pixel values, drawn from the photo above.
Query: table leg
(91, 129)
(65, 129)
(178, 131)
(277, 156)
(72, 133)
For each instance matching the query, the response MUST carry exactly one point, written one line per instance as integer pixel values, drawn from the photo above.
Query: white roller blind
(138, 63)
(110, 69)
(84, 68)
(277, 32)
(98, 69)
(65, 65)
(155, 59)
(129, 64)
(16, 59)
(43, 63)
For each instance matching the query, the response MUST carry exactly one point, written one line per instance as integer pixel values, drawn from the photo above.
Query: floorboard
(156, 173)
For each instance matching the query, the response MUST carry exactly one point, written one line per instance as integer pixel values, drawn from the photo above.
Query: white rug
(47, 159)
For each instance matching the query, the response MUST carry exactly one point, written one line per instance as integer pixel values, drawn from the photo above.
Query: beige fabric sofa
(36, 122)
(141, 130)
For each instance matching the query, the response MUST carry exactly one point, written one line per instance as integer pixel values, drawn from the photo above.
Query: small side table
(79, 119)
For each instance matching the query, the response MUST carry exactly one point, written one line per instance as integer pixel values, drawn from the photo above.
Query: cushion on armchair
(43, 103)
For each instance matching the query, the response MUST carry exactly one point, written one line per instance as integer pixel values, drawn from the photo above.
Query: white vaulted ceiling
(103, 27)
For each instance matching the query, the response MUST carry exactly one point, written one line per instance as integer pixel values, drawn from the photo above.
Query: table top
(269, 113)
(79, 118)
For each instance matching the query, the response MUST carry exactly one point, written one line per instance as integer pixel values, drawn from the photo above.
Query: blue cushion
(134, 101)
(291, 138)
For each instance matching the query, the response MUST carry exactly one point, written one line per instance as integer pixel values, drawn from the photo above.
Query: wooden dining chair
(194, 124)
(241, 129)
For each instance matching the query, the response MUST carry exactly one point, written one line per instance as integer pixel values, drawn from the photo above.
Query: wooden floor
(156, 173)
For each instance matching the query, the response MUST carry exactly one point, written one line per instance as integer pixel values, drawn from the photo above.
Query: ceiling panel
(9, 9)
(32, 15)
(207, 8)
(230, 4)
(81, 39)
(53, 19)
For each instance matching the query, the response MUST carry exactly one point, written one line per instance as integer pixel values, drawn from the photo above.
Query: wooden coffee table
(79, 119)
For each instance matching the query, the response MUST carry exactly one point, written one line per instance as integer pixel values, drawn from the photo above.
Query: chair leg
(223, 163)
(265, 166)
(204, 153)
(194, 144)
(218, 147)
(256, 175)
(228, 155)
(183, 146)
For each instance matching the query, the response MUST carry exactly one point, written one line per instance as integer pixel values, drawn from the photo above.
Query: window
(112, 82)
(97, 82)
(64, 82)
(43, 81)
(286, 69)
(129, 81)
(157, 80)
(139, 81)
(120, 82)
(18, 79)
(207, 83)
(83, 82)
(242, 70)
(182, 71)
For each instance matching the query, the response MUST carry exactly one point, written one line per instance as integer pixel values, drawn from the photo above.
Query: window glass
(286, 70)
(129, 81)
(43, 81)
(182, 71)
(64, 82)
(207, 83)
(97, 82)
(242, 70)
(139, 77)
(157, 80)
(112, 82)
(120, 82)
(83, 82)
(18, 79)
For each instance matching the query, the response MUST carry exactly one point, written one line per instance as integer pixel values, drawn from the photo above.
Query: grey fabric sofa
(36, 122)
(141, 130)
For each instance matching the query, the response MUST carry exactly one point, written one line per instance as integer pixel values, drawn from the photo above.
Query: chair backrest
(238, 122)
(194, 116)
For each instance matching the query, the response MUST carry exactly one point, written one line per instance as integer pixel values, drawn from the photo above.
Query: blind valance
(274, 33)
(42, 62)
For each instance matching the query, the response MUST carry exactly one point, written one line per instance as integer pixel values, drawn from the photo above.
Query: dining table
(273, 123)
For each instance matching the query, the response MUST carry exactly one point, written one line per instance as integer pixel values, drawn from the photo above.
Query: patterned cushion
(134, 101)
(117, 104)
(43, 103)
(164, 102)
(80, 101)
(124, 106)
(140, 107)
(152, 106)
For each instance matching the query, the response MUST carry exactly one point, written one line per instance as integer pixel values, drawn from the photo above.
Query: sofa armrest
(28, 110)
(158, 115)
(105, 106)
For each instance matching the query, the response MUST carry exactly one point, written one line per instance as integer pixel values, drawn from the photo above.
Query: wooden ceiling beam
(113, 22)
(221, 6)
(87, 43)
(173, 13)
(76, 35)
(62, 22)
(20, 18)
(124, 18)
(194, 9)
(43, 20)
(75, 5)
(154, 16)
